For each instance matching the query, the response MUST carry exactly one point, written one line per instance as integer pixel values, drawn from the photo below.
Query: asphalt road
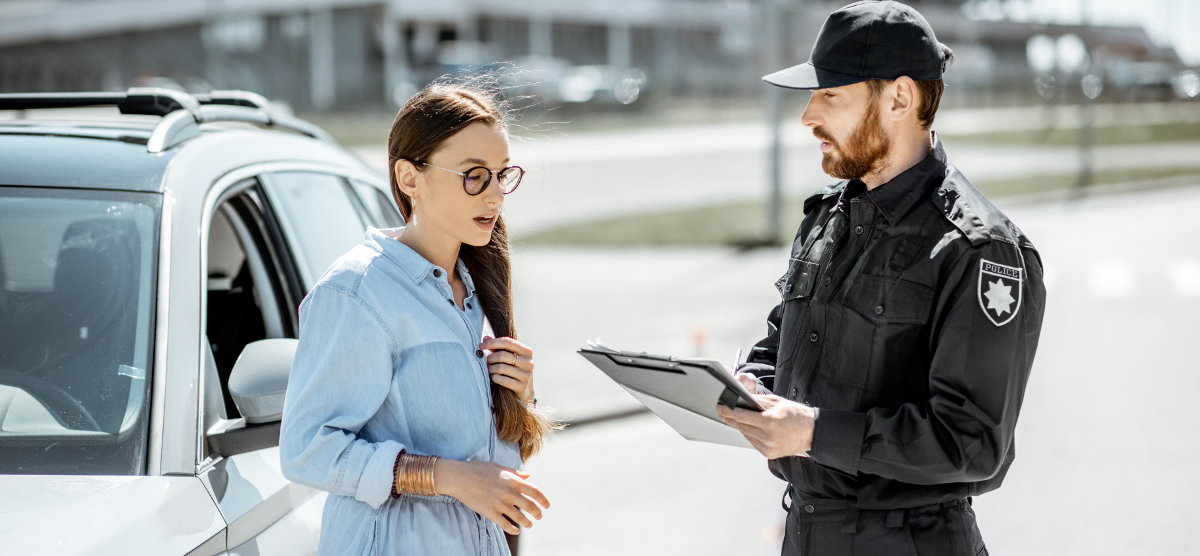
(1106, 445)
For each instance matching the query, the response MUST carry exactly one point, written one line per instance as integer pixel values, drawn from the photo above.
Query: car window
(242, 305)
(318, 216)
(379, 205)
(77, 275)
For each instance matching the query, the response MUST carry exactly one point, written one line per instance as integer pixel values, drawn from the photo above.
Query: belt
(825, 510)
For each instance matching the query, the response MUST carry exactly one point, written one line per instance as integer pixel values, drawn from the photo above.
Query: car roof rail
(150, 101)
(236, 98)
(181, 112)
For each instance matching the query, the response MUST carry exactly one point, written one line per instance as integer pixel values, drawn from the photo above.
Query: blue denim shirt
(387, 362)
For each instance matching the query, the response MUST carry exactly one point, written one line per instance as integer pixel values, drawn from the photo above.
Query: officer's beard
(862, 153)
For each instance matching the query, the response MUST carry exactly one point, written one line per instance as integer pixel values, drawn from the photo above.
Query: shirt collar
(853, 190)
(412, 263)
(895, 198)
(465, 276)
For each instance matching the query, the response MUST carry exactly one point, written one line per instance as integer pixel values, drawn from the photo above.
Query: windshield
(77, 274)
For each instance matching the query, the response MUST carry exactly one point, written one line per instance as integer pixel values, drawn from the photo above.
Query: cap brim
(808, 76)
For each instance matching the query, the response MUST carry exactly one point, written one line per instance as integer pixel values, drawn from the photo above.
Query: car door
(252, 292)
(321, 216)
(270, 239)
(378, 203)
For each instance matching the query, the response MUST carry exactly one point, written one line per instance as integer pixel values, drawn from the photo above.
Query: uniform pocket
(885, 324)
(796, 288)
(884, 300)
(800, 280)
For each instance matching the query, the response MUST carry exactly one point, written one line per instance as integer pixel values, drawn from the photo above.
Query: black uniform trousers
(823, 527)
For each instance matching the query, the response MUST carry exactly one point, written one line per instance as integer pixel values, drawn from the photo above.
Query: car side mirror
(259, 379)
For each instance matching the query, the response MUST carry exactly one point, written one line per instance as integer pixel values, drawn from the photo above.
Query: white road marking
(1111, 279)
(1185, 276)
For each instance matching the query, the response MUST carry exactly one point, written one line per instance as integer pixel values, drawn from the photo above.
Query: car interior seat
(94, 316)
(234, 320)
(6, 305)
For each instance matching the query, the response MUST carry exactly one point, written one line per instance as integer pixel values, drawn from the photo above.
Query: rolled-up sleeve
(340, 378)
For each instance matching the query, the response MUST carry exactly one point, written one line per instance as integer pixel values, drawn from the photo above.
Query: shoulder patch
(999, 291)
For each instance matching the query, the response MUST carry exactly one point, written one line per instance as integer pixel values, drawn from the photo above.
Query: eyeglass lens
(476, 179)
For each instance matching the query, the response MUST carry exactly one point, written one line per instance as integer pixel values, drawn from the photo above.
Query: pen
(737, 361)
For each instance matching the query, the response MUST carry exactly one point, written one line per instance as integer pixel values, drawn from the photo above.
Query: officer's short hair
(931, 91)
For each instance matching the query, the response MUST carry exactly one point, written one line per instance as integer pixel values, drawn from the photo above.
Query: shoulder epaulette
(976, 217)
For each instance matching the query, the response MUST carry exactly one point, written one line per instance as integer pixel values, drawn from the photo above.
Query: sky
(1168, 22)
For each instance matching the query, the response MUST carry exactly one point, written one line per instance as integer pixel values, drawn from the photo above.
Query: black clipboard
(682, 392)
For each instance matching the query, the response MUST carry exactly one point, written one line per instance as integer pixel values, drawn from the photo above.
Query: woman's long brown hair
(426, 121)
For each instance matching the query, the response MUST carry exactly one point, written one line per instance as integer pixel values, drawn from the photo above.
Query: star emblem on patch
(999, 291)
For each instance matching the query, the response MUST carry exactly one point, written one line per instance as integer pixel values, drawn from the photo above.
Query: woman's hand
(511, 365)
(491, 490)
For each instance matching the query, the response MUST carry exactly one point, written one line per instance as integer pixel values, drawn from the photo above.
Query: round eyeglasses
(478, 178)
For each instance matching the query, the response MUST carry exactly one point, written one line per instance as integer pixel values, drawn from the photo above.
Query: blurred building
(364, 54)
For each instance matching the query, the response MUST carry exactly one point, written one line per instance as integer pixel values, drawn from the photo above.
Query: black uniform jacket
(910, 316)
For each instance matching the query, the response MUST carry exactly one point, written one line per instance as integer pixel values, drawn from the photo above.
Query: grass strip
(369, 128)
(738, 223)
(1111, 135)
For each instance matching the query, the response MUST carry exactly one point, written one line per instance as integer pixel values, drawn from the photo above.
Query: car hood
(70, 514)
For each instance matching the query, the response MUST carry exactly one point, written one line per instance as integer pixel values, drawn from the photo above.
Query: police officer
(910, 312)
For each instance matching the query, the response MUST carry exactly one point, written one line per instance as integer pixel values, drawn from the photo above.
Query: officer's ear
(903, 98)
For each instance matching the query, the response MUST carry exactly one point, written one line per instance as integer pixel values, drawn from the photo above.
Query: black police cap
(867, 40)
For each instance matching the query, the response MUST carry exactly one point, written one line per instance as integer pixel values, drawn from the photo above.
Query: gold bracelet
(415, 475)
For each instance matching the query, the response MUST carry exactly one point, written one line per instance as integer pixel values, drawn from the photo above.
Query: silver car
(154, 247)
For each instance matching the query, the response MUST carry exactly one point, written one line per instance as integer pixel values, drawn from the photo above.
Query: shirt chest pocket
(885, 338)
(796, 287)
(884, 300)
(799, 282)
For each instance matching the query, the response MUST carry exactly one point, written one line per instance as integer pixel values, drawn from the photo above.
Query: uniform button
(813, 337)
(941, 193)
(787, 289)
(792, 394)
(858, 230)
(879, 310)
(808, 508)
(437, 273)
(828, 280)
(479, 353)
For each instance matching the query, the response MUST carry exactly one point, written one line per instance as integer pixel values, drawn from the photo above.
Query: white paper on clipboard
(684, 393)
(690, 425)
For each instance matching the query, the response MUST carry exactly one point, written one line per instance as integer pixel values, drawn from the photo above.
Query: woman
(393, 407)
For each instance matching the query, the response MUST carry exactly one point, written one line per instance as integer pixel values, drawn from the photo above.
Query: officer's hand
(749, 381)
(784, 428)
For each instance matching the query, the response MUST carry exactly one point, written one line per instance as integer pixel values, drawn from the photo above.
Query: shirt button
(813, 337)
(479, 353)
(792, 394)
(787, 289)
(808, 508)
(437, 273)
(450, 301)
(828, 280)
(858, 230)
(469, 306)
(941, 193)
(879, 310)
